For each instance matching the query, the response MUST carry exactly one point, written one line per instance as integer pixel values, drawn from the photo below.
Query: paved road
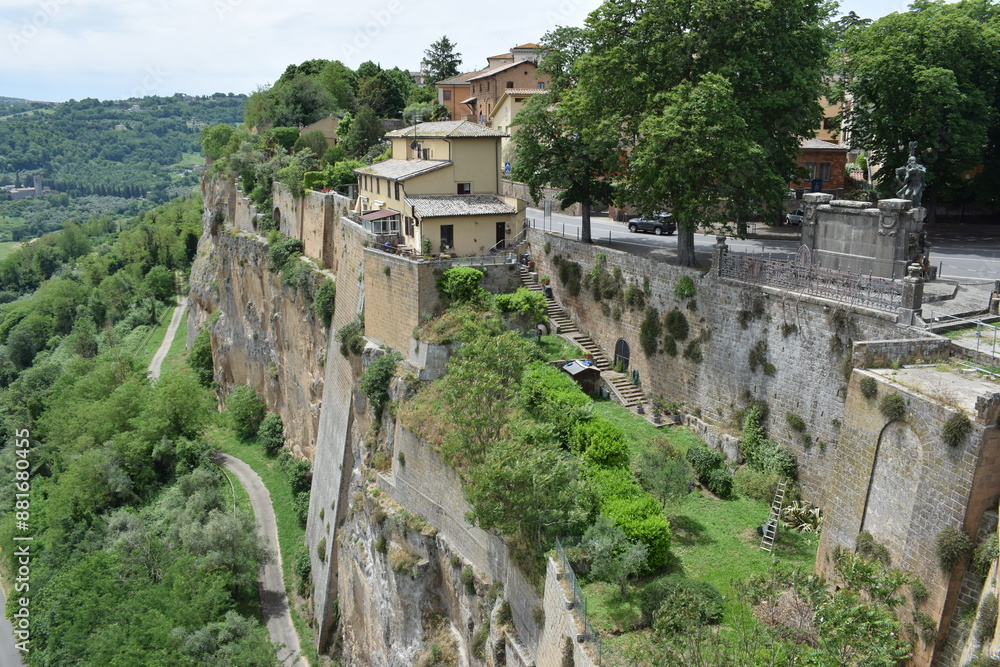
(959, 251)
(9, 655)
(168, 339)
(273, 598)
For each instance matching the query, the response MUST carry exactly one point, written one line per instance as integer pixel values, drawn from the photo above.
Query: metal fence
(980, 337)
(790, 274)
(590, 636)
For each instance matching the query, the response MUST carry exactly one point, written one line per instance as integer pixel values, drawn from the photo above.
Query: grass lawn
(290, 533)
(177, 356)
(190, 160)
(8, 247)
(714, 540)
(556, 348)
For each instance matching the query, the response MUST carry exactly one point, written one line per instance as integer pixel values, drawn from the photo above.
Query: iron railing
(849, 288)
(590, 636)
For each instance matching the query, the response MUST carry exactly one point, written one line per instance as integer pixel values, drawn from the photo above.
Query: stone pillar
(911, 305)
(812, 201)
(718, 250)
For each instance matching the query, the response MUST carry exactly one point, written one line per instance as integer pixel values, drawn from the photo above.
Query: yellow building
(440, 191)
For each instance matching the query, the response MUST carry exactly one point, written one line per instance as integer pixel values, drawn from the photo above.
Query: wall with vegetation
(895, 478)
(742, 343)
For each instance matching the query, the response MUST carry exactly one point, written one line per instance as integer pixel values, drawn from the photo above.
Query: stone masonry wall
(806, 339)
(901, 484)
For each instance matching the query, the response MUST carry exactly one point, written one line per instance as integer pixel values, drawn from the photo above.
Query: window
(487, 86)
(446, 95)
(447, 237)
(541, 85)
(465, 188)
(824, 170)
(408, 222)
(397, 190)
(828, 123)
(510, 84)
(378, 186)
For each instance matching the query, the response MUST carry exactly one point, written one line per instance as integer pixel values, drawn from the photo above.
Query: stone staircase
(630, 394)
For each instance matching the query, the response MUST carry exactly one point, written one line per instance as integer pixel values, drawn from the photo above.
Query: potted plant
(544, 280)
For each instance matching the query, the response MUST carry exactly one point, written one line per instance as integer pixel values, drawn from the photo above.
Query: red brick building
(822, 160)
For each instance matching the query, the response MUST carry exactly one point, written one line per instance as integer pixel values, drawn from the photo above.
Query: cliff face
(263, 333)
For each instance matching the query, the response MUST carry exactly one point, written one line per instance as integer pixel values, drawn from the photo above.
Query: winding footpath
(273, 596)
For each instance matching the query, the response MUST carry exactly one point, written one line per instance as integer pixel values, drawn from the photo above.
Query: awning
(378, 215)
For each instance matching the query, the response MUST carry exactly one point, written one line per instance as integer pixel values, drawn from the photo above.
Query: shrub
(460, 284)
(634, 297)
(321, 550)
(611, 483)
(601, 443)
(375, 380)
(952, 546)
(892, 407)
(918, 591)
(795, 422)
(684, 288)
(569, 276)
(281, 250)
(866, 546)
(650, 332)
(986, 624)
(245, 410)
(298, 274)
(324, 301)
(468, 578)
(755, 484)
(351, 337)
(869, 387)
(985, 554)
(927, 626)
(552, 397)
(271, 434)
(956, 430)
(758, 355)
(524, 302)
(301, 506)
(676, 324)
(642, 521)
(704, 461)
(664, 589)
(602, 284)
(670, 346)
(762, 454)
(200, 358)
(693, 351)
(720, 482)
(299, 474)
(303, 570)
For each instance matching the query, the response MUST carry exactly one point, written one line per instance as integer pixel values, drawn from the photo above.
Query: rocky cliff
(263, 332)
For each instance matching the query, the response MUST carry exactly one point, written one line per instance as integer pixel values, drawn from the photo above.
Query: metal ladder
(771, 527)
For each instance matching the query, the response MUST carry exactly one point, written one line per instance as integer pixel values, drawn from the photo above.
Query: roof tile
(446, 206)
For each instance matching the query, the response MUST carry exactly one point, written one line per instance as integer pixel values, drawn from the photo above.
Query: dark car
(659, 225)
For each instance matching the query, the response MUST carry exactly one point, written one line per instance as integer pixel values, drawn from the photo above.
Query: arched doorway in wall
(622, 354)
(276, 216)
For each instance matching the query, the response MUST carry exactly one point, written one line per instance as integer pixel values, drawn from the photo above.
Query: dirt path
(168, 339)
(273, 597)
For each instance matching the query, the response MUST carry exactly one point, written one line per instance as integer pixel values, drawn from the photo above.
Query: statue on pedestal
(911, 178)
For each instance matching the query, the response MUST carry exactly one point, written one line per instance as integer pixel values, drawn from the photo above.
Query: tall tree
(636, 49)
(928, 75)
(365, 131)
(441, 61)
(557, 146)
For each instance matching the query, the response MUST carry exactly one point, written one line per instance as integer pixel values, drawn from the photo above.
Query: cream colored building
(440, 191)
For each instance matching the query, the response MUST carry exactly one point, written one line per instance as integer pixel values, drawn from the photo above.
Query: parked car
(658, 224)
(795, 217)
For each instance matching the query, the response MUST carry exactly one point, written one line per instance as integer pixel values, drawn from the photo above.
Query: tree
(245, 410)
(441, 61)
(365, 130)
(200, 357)
(527, 490)
(557, 146)
(943, 59)
(613, 558)
(271, 434)
(695, 158)
(160, 282)
(635, 51)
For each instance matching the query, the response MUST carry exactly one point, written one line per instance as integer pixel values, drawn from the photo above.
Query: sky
(55, 50)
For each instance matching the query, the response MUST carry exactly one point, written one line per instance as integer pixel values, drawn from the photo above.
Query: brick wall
(398, 290)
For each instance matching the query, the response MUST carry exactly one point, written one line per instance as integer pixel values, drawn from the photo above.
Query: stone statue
(911, 178)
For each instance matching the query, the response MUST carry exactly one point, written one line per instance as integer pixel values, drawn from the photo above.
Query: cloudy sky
(55, 50)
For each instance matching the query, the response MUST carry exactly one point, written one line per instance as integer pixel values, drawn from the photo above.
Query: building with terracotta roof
(826, 165)
(440, 191)
(488, 86)
(451, 92)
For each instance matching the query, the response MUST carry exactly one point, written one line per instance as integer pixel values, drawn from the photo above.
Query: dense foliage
(137, 555)
(111, 148)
